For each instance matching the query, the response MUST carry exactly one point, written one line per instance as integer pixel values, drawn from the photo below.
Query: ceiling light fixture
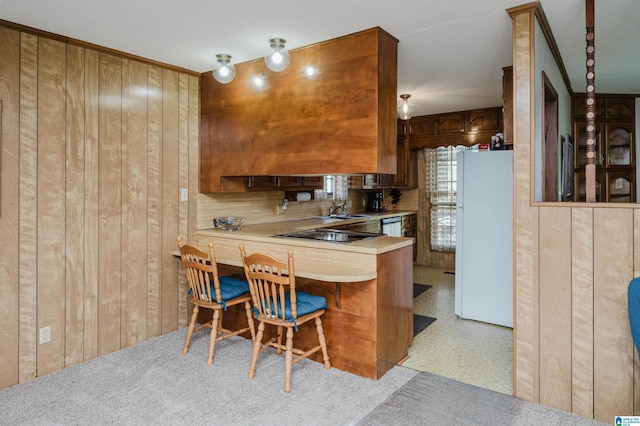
(405, 108)
(225, 71)
(278, 60)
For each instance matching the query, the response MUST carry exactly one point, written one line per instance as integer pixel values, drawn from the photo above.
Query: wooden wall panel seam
(10, 183)
(91, 203)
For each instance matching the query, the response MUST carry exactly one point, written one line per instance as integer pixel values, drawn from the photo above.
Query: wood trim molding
(551, 41)
(536, 7)
(91, 46)
(0, 157)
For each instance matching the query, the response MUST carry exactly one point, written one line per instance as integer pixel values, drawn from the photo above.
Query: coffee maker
(374, 201)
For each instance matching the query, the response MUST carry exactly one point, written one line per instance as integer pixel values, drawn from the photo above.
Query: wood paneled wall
(573, 262)
(95, 148)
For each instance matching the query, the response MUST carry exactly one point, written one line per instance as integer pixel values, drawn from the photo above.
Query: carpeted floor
(153, 383)
(429, 399)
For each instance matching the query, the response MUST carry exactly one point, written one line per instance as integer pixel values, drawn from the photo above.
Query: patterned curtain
(441, 186)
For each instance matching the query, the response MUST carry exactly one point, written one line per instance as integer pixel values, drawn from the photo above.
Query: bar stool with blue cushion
(276, 301)
(633, 294)
(210, 291)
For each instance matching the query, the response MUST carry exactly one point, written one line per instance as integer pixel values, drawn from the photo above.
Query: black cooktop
(331, 235)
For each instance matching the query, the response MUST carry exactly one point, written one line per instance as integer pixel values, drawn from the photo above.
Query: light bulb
(405, 108)
(225, 71)
(278, 60)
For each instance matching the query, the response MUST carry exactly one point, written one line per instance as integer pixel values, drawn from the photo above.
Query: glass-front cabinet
(580, 133)
(581, 187)
(619, 144)
(620, 187)
(614, 151)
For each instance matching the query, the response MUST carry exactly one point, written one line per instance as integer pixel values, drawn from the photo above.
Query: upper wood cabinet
(407, 169)
(612, 107)
(450, 124)
(507, 105)
(456, 128)
(340, 121)
(284, 182)
(424, 125)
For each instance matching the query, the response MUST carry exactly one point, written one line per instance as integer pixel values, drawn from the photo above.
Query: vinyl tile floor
(468, 351)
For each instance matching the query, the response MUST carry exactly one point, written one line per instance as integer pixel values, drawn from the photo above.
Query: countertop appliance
(374, 201)
(392, 226)
(484, 237)
(331, 235)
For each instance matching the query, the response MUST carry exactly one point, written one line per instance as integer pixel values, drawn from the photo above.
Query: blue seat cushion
(634, 310)
(305, 303)
(230, 288)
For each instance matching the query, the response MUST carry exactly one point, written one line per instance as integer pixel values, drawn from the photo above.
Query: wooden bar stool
(272, 283)
(209, 291)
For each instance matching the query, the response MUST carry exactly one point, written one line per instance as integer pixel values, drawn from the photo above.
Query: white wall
(544, 61)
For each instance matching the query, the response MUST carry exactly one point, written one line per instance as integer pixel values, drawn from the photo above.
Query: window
(441, 186)
(329, 184)
(336, 187)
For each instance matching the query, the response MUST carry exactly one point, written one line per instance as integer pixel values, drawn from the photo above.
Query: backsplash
(261, 207)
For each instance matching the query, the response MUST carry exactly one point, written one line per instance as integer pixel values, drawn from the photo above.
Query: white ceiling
(450, 56)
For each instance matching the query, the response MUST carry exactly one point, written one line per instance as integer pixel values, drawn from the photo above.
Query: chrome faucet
(337, 209)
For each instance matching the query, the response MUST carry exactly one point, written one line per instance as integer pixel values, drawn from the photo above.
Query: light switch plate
(184, 194)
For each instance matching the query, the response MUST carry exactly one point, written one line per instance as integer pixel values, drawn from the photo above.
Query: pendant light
(225, 72)
(405, 108)
(278, 60)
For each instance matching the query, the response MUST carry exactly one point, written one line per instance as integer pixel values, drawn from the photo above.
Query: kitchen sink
(345, 216)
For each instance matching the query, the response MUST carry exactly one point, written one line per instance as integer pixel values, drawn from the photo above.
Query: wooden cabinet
(580, 186)
(455, 128)
(447, 124)
(620, 187)
(619, 144)
(484, 120)
(615, 147)
(312, 121)
(410, 230)
(424, 125)
(614, 107)
(260, 183)
(507, 105)
(377, 180)
(580, 141)
(407, 169)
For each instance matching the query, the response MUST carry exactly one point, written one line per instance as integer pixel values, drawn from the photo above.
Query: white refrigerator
(484, 237)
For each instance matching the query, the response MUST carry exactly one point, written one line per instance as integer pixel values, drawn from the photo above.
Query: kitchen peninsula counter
(329, 261)
(368, 285)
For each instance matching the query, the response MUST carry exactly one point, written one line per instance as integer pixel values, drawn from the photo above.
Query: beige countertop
(326, 261)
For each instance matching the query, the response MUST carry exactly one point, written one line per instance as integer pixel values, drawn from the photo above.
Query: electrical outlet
(184, 194)
(45, 334)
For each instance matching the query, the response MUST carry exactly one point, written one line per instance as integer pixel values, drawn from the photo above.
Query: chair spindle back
(271, 282)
